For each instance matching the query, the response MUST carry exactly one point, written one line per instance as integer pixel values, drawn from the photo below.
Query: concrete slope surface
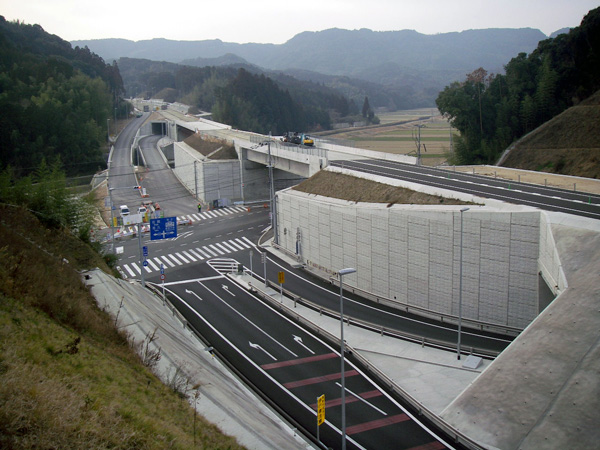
(543, 391)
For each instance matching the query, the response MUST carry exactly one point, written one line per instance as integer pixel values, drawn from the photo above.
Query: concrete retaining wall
(411, 254)
(212, 179)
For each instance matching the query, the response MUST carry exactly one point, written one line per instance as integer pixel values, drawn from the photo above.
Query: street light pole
(341, 274)
(112, 219)
(460, 279)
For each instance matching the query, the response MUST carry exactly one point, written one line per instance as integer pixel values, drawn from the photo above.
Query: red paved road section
(431, 446)
(321, 379)
(349, 399)
(293, 362)
(376, 424)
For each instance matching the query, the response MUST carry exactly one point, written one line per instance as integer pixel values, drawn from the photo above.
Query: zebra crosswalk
(187, 256)
(188, 218)
(212, 214)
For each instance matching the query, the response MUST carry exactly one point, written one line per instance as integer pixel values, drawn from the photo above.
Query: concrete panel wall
(412, 254)
(184, 159)
(550, 266)
(213, 179)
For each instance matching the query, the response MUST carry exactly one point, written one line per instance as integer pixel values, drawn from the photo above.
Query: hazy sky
(276, 21)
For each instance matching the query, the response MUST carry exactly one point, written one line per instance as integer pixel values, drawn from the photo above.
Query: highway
(282, 360)
(550, 199)
(287, 365)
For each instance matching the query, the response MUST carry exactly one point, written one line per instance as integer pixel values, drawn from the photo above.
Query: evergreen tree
(366, 107)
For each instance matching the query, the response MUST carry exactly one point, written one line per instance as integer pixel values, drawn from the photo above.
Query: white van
(124, 210)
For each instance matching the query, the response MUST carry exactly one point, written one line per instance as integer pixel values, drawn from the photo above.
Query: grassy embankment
(68, 377)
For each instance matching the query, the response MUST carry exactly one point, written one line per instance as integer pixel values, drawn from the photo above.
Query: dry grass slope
(216, 148)
(346, 187)
(569, 144)
(68, 378)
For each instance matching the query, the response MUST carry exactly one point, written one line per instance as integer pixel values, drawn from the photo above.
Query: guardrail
(418, 406)
(415, 404)
(441, 317)
(296, 148)
(215, 352)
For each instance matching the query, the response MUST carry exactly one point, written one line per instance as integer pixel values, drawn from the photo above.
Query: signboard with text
(163, 228)
(321, 409)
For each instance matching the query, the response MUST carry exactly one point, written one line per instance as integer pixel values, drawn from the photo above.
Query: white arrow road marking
(248, 320)
(226, 289)
(298, 339)
(195, 295)
(363, 400)
(258, 347)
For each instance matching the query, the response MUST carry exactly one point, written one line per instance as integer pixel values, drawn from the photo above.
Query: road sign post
(162, 278)
(320, 413)
(263, 257)
(281, 279)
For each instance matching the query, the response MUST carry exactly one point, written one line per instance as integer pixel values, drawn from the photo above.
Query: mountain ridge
(404, 59)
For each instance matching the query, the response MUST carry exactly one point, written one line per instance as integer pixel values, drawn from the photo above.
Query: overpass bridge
(244, 178)
(542, 391)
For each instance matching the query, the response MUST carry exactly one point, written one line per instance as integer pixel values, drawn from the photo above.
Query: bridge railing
(296, 148)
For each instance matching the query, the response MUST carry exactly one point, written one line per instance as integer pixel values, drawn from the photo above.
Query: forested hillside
(408, 67)
(55, 101)
(240, 95)
(492, 110)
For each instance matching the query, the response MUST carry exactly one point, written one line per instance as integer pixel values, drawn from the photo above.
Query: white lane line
(209, 252)
(241, 243)
(154, 266)
(179, 255)
(215, 249)
(195, 254)
(249, 321)
(167, 261)
(159, 262)
(136, 268)
(235, 244)
(248, 241)
(189, 256)
(229, 247)
(205, 254)
(179, 263)
(358, 397)
(131, 273)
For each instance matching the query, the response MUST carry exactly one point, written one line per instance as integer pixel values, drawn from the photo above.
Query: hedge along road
(293, 368)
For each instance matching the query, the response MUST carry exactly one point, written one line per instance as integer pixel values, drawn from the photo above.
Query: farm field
(398, 133)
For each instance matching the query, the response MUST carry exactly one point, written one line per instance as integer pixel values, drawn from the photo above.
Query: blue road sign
(162, 269)
(164, 228)
(145, 263)
(145, 250)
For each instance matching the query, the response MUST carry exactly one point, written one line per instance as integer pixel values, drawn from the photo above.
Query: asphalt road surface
(550, 199)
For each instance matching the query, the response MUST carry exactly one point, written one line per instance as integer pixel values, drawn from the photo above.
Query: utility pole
(196, 179)
(419, 145)
(142, 267)
(272, 194)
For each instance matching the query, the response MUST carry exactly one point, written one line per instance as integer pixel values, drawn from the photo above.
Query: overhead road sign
(163, 228)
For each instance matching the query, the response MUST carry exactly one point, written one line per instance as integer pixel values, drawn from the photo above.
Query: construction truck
(293, 137)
